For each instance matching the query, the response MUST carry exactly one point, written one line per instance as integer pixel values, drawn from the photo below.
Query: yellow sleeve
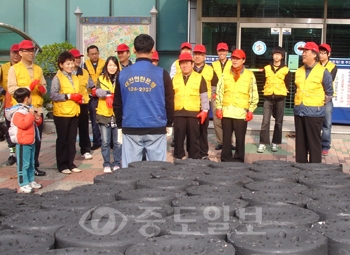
(220, 92)
(254, 95)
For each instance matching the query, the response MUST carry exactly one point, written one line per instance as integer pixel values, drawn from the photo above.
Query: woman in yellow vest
(66, 100)
(276, 79)
(105, 115)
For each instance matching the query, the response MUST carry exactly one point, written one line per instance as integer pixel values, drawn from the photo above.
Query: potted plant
(47, 60)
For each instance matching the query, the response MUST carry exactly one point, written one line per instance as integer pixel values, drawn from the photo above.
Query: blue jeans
(106, 146)
(25, 163)
(327, 127)
(96, 133)
(133, 146)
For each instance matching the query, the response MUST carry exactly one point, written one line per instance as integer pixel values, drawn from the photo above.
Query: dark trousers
(186, 127)
(240, 127)
(84, 139)
(308, 139)
(66, 128)
(38, 143)
(203, 138)
(96, 133)
(275, 108)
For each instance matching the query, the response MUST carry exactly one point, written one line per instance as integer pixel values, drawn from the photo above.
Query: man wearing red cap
(85, 82)
(123, 52)
(313, 90)
(220, 66)
(325, 53)
(199, 53)
(237, 98)
(155, 58)
(26, 74)
(14, 59)
(175, 67)
(191, 103)
(94, 65)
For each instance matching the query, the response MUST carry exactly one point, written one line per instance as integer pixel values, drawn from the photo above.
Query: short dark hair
(143, 43)
(63, 57)
(20, 94)
(92, 47)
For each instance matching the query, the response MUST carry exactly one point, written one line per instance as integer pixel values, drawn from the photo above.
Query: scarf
(236, 72)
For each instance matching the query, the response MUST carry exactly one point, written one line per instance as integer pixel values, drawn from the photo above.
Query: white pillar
(78, 32)
(153, 28)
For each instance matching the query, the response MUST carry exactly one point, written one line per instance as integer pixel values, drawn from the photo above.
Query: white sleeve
(173, 70)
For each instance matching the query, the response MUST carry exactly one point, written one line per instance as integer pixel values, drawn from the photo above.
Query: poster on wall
(108, 32)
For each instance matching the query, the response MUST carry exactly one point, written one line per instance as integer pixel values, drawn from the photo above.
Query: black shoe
(218, 147)
(172, 144)
(95, 147)
(11, 160)
(205, 158)
(233, 147)
(38, 172)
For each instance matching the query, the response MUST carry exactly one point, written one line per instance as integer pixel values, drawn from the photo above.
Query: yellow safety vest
(94, 74)
(207, 73)
(4, 74)
(274, 84)
(67, 108)
(217, 67)
(309, 91)
(83, 81)
(24, 80)
(330, 66)
(187, 96)
(102, 108)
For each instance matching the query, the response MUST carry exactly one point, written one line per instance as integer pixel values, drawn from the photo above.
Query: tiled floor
(339, 154)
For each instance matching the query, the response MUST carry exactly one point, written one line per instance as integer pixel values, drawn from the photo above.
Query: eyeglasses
(29, 51)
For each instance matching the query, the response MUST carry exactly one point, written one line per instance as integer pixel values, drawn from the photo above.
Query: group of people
(132, 107)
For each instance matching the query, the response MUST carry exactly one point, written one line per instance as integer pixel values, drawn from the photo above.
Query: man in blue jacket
(143, 105)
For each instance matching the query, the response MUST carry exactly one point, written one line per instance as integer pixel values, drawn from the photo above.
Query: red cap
(222, 46)
(14, 47)
(186, 45)
(122, 47)
(185, 57)
(326, 47)
(310, 46)
(238, 54)
(199, 48)
(26, 44)
(76, 53)
(155, 55)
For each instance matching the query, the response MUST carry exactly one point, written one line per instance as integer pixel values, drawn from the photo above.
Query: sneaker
(325, 152)
(274, 147)
(205, 158)
(38, 172)
(262, 148)
(107, 169)
(115, 168)
(25, 189)
(66, 171)
(76, 170)
(11, 160)
(35, 185)
(87, 155)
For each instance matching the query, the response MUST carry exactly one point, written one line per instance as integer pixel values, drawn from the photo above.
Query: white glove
(120, 135)
(169, 131)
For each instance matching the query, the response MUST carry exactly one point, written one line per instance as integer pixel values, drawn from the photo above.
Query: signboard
(342, 83)
(293, 62)
(108, 32)
(259, 48)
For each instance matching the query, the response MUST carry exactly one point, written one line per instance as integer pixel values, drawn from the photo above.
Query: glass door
(258, 40)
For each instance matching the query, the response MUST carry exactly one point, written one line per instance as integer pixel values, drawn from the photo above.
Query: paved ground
(339, 154)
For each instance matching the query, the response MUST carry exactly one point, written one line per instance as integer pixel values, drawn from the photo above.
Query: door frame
(280, 25)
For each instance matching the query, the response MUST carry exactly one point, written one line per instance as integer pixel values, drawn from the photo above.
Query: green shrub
(47, 58)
